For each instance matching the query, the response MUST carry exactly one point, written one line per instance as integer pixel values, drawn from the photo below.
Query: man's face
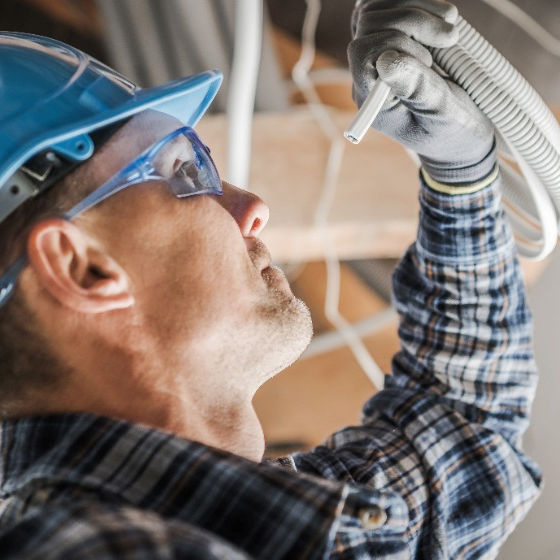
(202, 281)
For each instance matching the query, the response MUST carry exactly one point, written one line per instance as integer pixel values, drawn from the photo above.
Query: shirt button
(372, 518)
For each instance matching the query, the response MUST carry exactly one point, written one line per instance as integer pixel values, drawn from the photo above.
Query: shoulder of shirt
(107, 532)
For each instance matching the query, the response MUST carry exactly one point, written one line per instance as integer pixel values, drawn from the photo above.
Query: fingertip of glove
(400, 71)
(452, 14)
(446, 36)
(388, 58)
(391, 63)
(397, 70)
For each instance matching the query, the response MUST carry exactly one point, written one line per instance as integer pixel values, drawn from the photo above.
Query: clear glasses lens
(185, 164)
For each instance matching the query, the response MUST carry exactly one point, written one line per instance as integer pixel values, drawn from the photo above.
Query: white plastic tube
(368, 112)
(242, 88)
(323, 118)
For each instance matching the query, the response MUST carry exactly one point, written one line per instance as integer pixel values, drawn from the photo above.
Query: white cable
(327, 342)
(242, 88)
(301, 69)
(300, 74)
(528, 24)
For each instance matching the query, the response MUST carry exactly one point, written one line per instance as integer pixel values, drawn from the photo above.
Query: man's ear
(74, 270)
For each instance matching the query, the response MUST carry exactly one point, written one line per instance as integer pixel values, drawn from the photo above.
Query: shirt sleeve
(465, 326)
(445, 433)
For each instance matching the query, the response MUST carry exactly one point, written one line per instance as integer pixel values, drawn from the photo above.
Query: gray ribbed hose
(528, 134)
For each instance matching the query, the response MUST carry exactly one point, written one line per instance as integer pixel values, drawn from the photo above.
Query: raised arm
(445, 432)
(465, 326)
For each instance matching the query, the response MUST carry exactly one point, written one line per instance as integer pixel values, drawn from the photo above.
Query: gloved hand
(428, 114)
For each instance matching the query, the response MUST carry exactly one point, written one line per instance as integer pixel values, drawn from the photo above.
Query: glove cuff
(456, 190)
(461, 176)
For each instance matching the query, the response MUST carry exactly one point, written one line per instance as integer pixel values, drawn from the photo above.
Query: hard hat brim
(186, 99)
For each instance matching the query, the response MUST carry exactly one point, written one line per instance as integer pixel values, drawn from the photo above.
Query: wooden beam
(375, 208)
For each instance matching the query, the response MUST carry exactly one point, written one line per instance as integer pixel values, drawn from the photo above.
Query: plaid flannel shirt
(434, 471)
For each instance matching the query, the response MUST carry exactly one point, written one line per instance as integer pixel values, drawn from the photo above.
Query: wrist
(461, 176)
(469, 229)
(460, 189)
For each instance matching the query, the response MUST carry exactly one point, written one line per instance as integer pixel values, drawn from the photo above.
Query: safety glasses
(180, 159)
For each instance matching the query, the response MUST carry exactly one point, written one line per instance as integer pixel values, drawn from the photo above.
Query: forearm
(444, 433)
(465, 327)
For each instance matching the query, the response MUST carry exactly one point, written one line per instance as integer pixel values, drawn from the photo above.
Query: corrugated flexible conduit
(528, 134)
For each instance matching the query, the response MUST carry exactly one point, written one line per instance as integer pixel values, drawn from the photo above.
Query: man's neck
(202, 415)
(122, 373)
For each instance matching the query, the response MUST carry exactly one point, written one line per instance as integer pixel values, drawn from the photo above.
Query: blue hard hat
(52, 95)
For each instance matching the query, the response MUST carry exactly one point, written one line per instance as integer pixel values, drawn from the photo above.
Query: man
(137, 326)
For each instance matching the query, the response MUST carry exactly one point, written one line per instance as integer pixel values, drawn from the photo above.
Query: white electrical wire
(327, 342)
(300, 74)
(242, 88)
(528, 24)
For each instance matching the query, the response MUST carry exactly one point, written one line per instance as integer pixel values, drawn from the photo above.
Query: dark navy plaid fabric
(434, 471)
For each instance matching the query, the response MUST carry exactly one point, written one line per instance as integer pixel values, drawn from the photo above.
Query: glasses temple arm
(9, 279)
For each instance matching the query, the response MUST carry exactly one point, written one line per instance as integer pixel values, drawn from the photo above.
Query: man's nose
(247, 209)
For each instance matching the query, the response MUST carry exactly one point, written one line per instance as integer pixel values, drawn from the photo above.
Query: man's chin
(276, 279)
(306, 325)
(291, 336)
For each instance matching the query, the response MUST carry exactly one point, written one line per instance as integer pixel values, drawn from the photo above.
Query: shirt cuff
(468, 228)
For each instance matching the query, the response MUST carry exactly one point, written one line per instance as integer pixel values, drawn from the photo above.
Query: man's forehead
(137, 135)
(149, 126)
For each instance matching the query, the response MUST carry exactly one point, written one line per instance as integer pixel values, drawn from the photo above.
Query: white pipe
(331, 341)
(242, 88)
(368, 113)
(300, 74)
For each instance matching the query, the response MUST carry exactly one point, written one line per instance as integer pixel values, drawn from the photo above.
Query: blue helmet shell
(52, 94)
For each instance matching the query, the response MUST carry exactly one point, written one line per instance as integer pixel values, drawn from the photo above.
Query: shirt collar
(266, 510)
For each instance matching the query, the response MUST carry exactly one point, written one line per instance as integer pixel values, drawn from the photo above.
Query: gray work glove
(428, 114)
